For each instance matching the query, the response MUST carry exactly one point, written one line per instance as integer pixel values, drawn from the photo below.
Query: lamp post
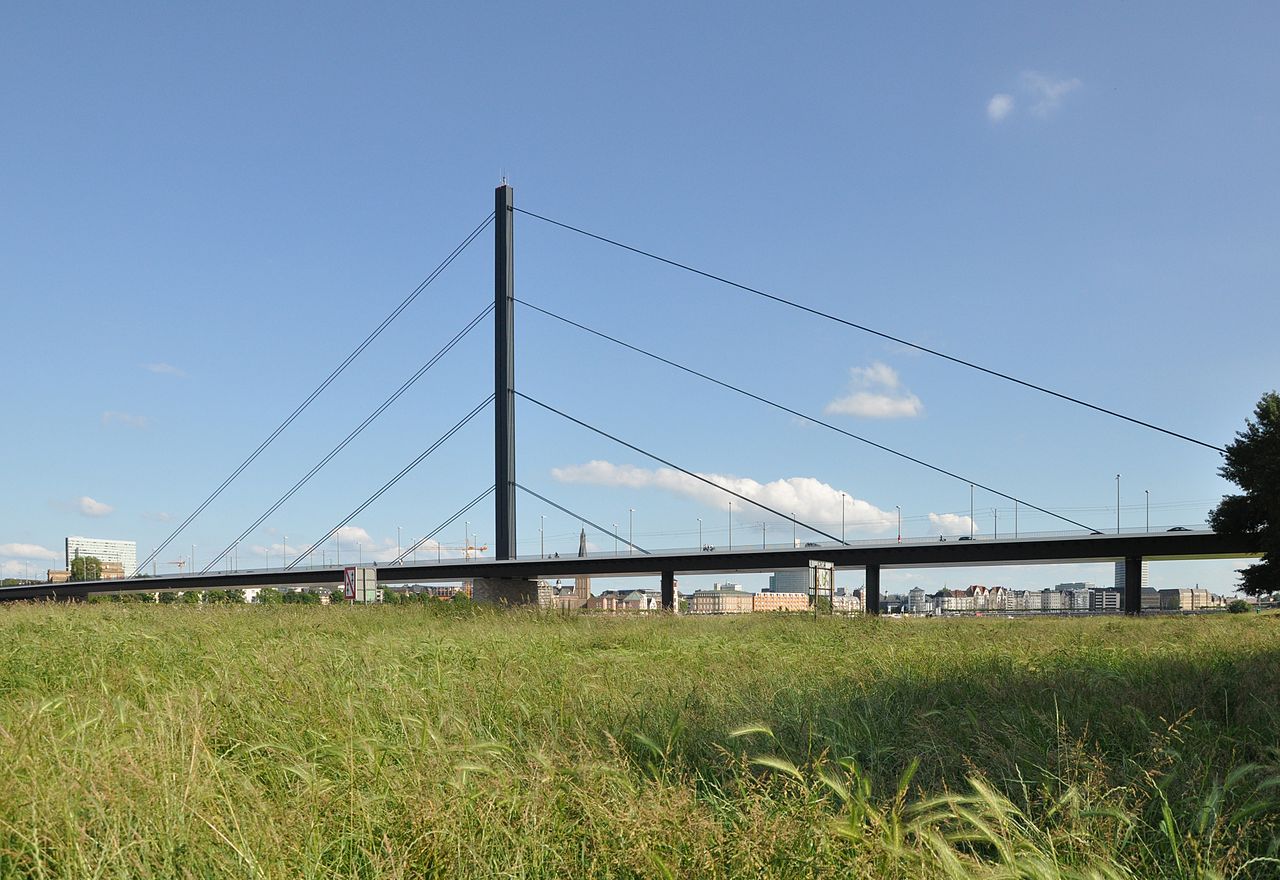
(1147, 493)
(995, 519)
(763, 538)
(842, 540)
(398, 550)
(731, 524)
(899, 508)
(542, 537)
(700, 544)
(1015, 517)
(1117, 504)
(615, 539)
(794, 537)
(631, 529)
(466, 539)
(284, 551)
(971, 510)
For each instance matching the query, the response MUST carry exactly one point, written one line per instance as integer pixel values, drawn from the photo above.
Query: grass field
(185, 741)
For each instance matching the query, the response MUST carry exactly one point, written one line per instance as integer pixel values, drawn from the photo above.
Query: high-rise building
(1146, 575)
(793, 580)
(124, 553)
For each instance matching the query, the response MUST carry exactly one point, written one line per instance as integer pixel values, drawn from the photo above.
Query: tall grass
(142, 741)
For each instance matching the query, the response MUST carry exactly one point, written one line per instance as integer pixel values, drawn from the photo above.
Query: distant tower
(582, 583)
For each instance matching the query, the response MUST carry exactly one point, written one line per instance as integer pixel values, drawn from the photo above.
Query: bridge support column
(504, 377)
(871, 592)
(510, 591)
(669, 600)
(1133, 585)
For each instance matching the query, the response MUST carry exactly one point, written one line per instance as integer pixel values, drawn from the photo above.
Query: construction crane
(465, 550)
(179, 563)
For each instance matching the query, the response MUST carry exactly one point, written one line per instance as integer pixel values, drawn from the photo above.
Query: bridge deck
(908, 554)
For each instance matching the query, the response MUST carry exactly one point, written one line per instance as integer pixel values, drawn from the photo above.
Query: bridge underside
(931, 554)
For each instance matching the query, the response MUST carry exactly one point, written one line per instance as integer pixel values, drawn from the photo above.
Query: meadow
(297, 741)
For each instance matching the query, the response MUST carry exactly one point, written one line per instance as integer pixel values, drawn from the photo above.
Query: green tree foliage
(1238, 606)
(86, 568)
(1253, 464)
(269, 596)
(168, 597)
(336, 597)
(191, 597)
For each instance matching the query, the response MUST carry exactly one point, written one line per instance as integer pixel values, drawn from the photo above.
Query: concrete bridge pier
(871, 592)
(670, 602)
(510, 591)
(1133, 585)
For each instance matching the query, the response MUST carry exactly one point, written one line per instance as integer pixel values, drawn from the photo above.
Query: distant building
(771, 600)
(1105, 600)
(1189, 599)
(123, 553)
(723, 598)
(917, 602)
(59, 576)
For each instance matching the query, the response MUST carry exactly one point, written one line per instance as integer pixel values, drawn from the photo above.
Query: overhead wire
(359, 349)
(798, 413)
(397, 478)
(677, 467)
(583, 519)
(864, 328)
(408, 383)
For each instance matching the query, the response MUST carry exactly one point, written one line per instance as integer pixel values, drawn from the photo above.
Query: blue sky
(206, 209)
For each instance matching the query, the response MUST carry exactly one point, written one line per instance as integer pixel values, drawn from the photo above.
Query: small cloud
(999, 107)
(124, 420)
(89, 507)
(951, 524)
(164, 370)
(160, 516)
(876, 394)
(1046, 92)
(28, 551)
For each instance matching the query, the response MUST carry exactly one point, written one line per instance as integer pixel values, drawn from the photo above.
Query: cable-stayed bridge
(509, 577)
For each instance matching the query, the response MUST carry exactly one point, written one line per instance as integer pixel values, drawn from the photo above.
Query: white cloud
(160, 516)
(89, 507)
(164, 370)
(124, 420)
(28, 551)
(1046, 92)
(951, 524)
(999, 107)
(810, 500)
(876, 394)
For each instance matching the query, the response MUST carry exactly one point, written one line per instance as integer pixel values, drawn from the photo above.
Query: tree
(86, 568)
(190, 597)
(1238, 606)
(269, 596)
(1253, 464)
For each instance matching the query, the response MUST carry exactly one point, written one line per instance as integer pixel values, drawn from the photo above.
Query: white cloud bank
(28, 551)
(877, 393)
(89, 507)
(999, 107)
(1043, 92)
(810, 500)
(951, 524)
(1046, 91)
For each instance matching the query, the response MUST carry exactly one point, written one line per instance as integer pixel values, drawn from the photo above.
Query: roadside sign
(349, 583)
